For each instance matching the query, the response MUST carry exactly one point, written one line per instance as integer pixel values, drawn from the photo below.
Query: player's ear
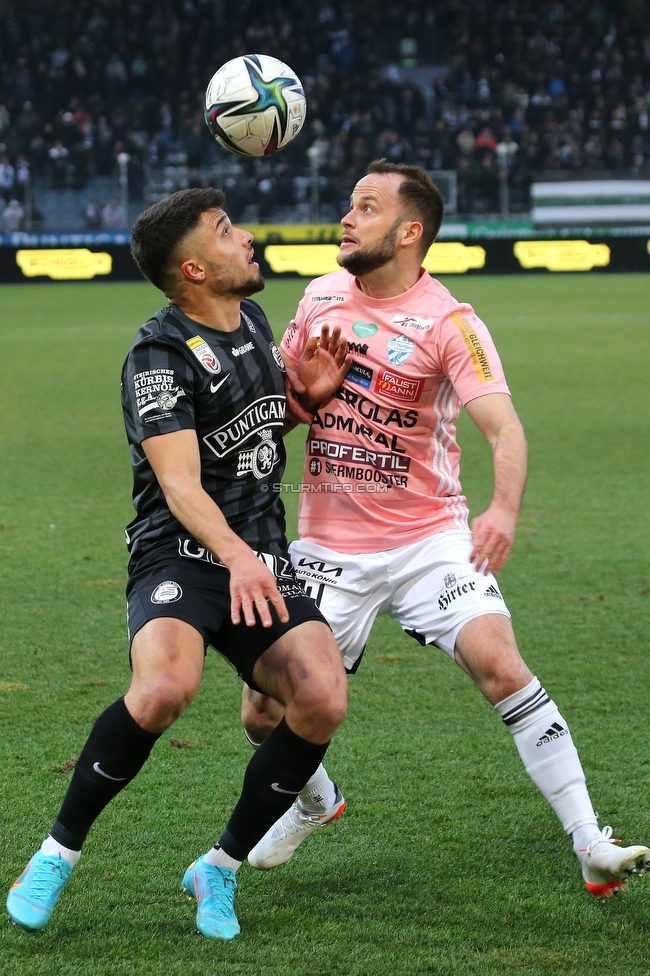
(193, 269)
(413, 231)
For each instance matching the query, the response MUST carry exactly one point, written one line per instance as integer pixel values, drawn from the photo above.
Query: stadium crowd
(532, 86)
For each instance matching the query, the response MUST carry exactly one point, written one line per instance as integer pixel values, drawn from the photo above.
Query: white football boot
(287, 834)
(606, 867)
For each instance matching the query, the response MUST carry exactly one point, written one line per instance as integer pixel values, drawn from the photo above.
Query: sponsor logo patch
(259, 460)
(412, 322)
(454, 592)
(240, 350)
(268, 411)
(478, 356)
(362, 375)
(397, 387)
(277, 355)
(328, 298)
(399, 349)
(156, 389)
(358, 348)
(204, 354)
(364, 329)
(167, 592)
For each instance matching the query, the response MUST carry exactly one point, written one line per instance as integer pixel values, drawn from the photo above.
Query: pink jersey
(382, 466)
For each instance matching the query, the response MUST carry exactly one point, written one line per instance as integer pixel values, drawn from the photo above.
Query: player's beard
(237, 284)
(364, 260)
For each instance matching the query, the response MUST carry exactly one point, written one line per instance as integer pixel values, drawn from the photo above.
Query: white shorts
(430, 588)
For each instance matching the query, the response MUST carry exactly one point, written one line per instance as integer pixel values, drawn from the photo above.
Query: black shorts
(198, 592)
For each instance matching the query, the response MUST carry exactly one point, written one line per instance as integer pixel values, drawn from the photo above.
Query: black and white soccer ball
(255, 105)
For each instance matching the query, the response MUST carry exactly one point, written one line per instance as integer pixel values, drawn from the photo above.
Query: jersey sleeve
(157, 390)
(469, 357)
(295, 338)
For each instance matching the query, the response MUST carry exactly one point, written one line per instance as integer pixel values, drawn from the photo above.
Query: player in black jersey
(203, 393)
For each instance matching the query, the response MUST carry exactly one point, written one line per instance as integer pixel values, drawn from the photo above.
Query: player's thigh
(304, 666)
(438, 591)
(349, 590)
(487, 650)
(167, 649)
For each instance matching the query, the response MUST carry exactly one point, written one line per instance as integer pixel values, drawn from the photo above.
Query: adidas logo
(492, 591)
(555, 731)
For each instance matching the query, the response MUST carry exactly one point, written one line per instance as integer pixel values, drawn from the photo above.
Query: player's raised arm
(493, 532)
(316, 376)
(176, 462)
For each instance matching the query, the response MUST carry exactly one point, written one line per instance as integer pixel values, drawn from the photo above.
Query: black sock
(116, 750)
(274, 777)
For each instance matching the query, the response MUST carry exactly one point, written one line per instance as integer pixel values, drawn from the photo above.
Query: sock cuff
(523, 703)
(301, 750)
(122, 712)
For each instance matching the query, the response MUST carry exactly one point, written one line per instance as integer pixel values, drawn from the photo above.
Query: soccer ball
(255, 105)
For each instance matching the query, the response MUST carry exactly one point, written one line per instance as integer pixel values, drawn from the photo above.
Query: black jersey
(229, 387)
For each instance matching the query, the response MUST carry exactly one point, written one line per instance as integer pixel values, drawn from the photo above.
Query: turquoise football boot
(33, 896)
(214, 890)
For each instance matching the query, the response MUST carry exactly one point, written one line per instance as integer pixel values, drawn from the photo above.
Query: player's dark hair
(158, 231)
(420, 196)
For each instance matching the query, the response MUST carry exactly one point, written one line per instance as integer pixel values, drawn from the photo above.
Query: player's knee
(324, 704)
(167, 697)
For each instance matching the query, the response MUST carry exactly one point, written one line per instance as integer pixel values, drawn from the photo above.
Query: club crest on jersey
(167, 592)
(399, 350)
(412, 322)
(204, 354)
(261, 459)
(277, 355)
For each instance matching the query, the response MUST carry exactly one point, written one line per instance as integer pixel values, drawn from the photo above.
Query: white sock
(582, 838)
(52, 848)
(318, 793)
(547, 751)
(217, 856)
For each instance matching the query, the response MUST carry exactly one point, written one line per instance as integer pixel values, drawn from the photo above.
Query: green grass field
(447, 861)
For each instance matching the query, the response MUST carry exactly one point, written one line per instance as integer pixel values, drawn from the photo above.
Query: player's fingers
(235, 608)
(310, 349)
(248, 610)
(324, 337)
(341, 351)
(277, 600)
(343, 368)
(262, 608)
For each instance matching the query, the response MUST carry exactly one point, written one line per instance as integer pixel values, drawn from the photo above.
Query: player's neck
(222, 313)
(388, 282)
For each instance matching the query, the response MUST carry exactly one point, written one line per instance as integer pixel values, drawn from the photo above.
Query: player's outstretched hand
(252, 584)
(322, 367)
(493, 536)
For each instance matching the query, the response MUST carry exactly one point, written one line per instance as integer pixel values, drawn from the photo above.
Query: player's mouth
(253, 264)
(346, 239)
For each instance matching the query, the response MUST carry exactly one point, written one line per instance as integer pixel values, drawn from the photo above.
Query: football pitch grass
(447, 860)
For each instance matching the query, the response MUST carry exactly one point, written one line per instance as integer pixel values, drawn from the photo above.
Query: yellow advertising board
(453, 258)
(304, 259)
(64, 264)
(562, 255)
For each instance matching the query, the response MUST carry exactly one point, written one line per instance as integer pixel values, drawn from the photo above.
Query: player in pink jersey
(383, 522)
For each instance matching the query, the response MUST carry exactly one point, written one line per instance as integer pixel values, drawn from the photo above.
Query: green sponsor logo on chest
(364, 329)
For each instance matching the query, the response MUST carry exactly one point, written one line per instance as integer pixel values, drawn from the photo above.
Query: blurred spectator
(93, 216)
(113, 216)
(12, 217)
(7, 175)
(58, 156)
